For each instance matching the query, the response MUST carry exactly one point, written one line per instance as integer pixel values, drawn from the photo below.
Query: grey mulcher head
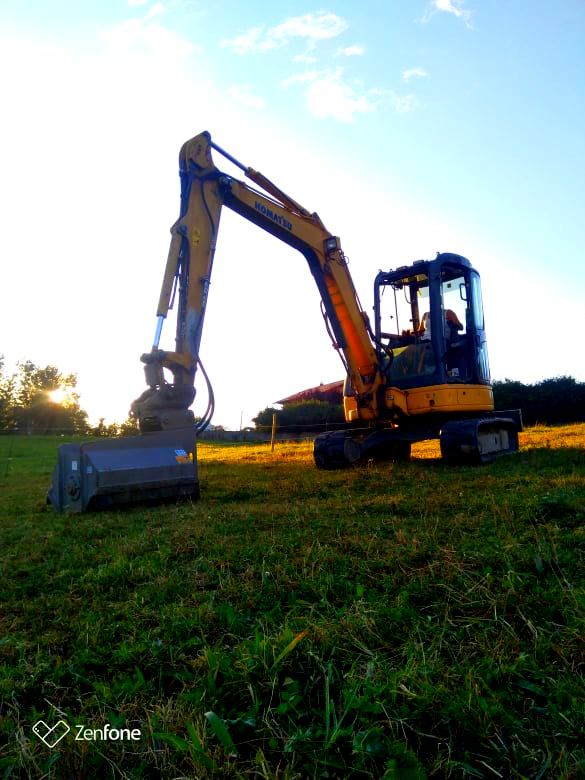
(154, 466)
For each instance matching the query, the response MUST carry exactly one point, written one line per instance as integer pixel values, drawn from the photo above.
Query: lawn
(401, 620)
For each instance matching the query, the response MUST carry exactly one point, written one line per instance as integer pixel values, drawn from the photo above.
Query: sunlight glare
(59, 395)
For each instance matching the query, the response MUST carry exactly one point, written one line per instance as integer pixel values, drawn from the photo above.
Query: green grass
(392, 621)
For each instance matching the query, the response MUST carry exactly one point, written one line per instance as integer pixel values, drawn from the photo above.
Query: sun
(59, 395)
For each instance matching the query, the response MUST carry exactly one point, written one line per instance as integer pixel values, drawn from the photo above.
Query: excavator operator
(452, 326)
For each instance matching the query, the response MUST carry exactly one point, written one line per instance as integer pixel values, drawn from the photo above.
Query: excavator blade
(155, 466)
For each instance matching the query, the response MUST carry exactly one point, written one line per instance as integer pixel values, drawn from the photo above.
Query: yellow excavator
(420, 372)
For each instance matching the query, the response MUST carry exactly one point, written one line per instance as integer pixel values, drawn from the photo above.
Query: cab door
(481, 360)
(456, 345)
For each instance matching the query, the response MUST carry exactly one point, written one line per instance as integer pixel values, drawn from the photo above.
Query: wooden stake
(273, 432)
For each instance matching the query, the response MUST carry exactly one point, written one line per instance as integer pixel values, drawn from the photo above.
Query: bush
(304, 416)
(557, 400)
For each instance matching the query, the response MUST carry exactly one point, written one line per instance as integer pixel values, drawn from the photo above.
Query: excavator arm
(205, 190)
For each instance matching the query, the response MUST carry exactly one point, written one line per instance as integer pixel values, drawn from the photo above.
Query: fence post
(273, 432)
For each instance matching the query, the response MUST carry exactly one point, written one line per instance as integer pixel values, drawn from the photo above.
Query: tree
(42, 399)
(7, 392)
(105, 431)
(129, 427)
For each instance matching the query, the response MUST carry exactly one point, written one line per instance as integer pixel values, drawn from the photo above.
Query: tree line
(557, 400)
(35, 399)
(29, 403)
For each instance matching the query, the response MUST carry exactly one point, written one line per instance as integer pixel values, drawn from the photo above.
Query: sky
(410, 127)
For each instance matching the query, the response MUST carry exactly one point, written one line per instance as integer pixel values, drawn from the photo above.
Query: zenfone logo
(106, 733)
(51, 736)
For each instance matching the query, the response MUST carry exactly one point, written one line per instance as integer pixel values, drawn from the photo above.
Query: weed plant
(390, 621)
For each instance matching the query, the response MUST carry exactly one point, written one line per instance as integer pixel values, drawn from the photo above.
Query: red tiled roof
(332, 391)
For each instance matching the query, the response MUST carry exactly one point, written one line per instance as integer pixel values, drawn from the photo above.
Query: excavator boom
(205, 190)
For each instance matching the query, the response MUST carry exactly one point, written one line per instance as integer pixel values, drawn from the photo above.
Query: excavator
(420, 372)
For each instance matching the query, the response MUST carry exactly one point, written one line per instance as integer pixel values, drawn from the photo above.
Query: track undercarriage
(463, 442)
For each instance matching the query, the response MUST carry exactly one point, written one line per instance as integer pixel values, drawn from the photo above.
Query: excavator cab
(429, 336)
(430, 326)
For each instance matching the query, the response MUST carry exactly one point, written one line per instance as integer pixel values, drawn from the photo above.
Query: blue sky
(411, 128)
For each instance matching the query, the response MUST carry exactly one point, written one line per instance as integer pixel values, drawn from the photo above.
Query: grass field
(392, 621)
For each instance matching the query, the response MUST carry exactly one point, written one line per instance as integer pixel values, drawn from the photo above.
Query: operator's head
(452, 318)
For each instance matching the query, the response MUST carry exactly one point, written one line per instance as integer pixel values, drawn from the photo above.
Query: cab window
(454, 292)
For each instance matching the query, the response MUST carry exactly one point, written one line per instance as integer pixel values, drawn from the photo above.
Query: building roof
(333, 392)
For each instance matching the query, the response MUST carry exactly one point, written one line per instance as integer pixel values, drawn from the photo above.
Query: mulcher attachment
(133, 469)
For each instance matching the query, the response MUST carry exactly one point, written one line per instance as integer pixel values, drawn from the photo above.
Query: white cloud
(414, 73)
(454, 7)
(448, 6)
(245, 43)
(302, 78)
(317, 27)
(403, 104)
(242, 93)
(351, 51)
(158, 9)
(330, 96)
(311, 27)
(136, 37)
(307, 58)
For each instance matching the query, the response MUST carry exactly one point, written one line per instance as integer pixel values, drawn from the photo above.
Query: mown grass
(396, 621)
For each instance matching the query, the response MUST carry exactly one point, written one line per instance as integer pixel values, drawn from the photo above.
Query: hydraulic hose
(207, 416)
